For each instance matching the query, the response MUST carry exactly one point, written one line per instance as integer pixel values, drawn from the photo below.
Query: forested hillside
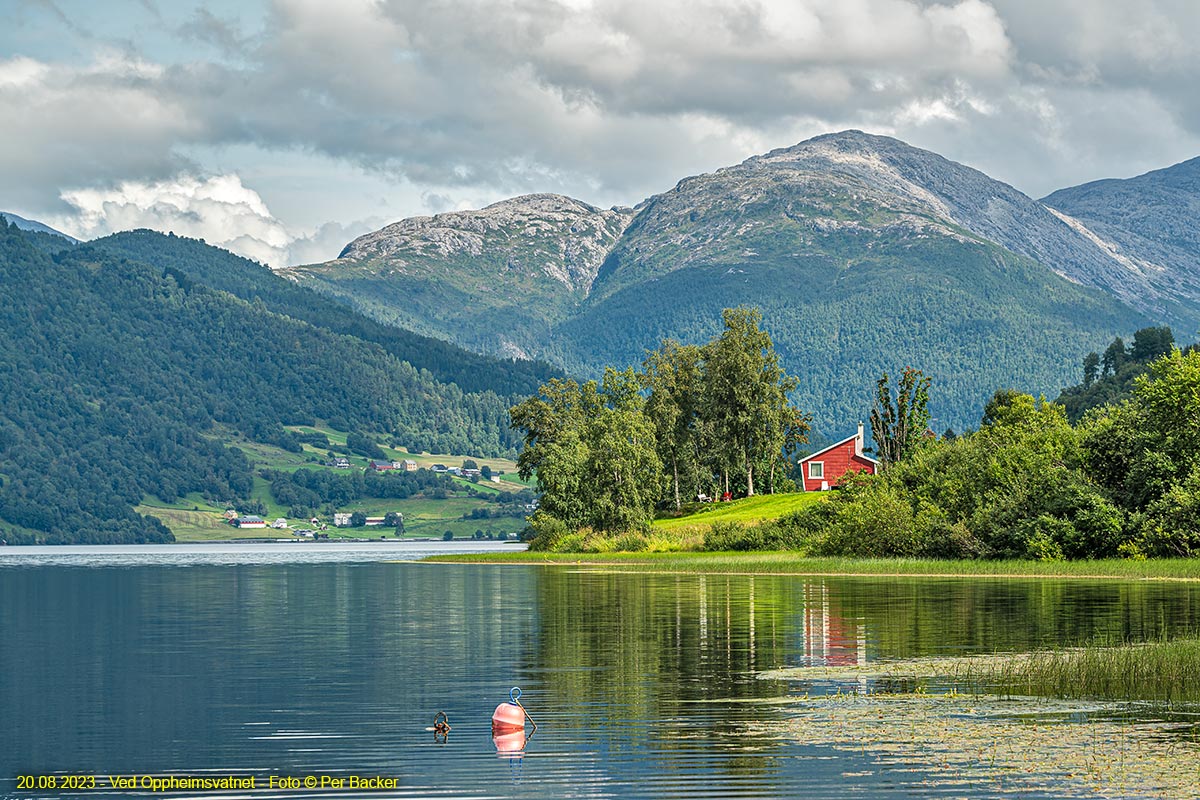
(971, 316)
(220, 269)
(118, 378)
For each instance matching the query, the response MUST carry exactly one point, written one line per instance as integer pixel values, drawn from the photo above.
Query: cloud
(114, 118)
(218, 209)
(607, 100)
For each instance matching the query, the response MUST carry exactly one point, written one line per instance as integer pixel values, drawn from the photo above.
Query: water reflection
(642, 685)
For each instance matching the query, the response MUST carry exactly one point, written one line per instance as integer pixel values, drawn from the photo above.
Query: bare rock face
(854, 183)
(552, 253)
(493, 280)
(1149, 222)
(547, 234)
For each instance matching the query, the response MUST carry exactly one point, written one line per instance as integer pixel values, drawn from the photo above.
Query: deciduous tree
(745, 395)
(897, 425)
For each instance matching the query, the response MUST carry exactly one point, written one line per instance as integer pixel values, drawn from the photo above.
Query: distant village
(348, 519)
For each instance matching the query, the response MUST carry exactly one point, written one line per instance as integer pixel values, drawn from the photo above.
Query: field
(500, 466)
(747, 510)
(197, 520)
(193, 518)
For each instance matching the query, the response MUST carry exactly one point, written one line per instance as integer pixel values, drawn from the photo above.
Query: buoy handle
(514, 694)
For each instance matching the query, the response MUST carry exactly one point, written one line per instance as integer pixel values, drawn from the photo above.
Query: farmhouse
(341, 519)
(340, 462)
(409, 465)
(381, 466)
(822, 470)
(250, 521)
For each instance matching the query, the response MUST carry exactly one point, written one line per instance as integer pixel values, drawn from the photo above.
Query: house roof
(250, 518)
(838, 444)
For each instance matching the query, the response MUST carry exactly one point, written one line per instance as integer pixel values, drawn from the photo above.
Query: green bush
(730, 536)
(770, 535)
(545, 532)
(871, 522)
(1170, 526)
(631, 543)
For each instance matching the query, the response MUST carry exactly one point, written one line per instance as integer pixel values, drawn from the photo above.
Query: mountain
(34, 225)
(854, 183)
(490, 279)
(1151, 223)
(125, 379)
(220, 269)
(865, 255)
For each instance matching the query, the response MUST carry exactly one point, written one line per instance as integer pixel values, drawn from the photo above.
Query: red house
(823, 469)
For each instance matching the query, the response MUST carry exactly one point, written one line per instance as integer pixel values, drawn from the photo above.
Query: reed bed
(1156, 672)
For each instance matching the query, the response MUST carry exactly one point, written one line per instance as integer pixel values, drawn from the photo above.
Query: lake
(332, 662)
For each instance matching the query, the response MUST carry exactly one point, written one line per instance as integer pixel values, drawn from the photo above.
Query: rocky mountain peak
(856, 181)
(549, 234)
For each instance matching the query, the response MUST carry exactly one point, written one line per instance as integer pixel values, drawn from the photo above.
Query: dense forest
(122, 380)
(220, 269)
(964, 315)
(1110, 378)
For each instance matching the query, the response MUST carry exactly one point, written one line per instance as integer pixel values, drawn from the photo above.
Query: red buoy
(508, 717)
(511, 716)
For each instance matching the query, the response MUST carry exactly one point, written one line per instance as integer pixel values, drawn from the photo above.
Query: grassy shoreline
(777, 563)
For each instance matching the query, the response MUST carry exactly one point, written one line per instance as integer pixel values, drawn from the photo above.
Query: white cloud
(218, 209)
(608, 100)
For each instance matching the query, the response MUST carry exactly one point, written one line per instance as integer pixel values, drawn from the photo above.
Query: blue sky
(283, 128)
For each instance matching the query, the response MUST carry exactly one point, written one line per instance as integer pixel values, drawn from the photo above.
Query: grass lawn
(747, 510)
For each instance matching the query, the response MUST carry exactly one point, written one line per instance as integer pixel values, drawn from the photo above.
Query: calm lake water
(642, 685)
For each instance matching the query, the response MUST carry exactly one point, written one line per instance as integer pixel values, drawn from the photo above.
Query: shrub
(871, 522)
(729, 536)
(1170, 527)
(631, 543)
(545, 532)
(938, 537)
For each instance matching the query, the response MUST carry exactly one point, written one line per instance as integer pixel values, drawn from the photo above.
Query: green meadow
(193, 518)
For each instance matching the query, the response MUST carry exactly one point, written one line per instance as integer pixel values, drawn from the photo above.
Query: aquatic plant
(980, 746)
(1159, 672)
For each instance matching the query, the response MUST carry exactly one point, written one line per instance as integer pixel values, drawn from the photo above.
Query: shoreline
(785, 564)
